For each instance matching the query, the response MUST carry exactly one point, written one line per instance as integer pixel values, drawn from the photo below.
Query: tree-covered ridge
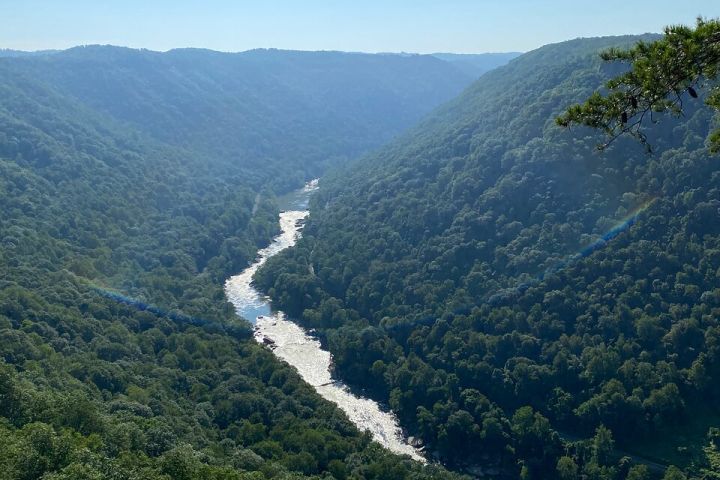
(422, 268)
(263, 112)
(477, 64)
(92, 388)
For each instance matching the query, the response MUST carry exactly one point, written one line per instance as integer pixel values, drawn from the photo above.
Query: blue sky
(360, 25)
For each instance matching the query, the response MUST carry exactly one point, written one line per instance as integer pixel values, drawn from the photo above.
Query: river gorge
(293, 344)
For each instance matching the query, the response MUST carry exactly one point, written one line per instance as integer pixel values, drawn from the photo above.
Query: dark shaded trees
(489, 262)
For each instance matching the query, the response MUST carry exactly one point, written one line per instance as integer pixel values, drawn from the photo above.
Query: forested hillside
(521, 300)
(262, 113)
(476, 64)
(153, 175)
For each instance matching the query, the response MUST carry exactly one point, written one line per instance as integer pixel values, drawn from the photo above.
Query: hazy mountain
(261, 109)
(6, 52)
(476, 64)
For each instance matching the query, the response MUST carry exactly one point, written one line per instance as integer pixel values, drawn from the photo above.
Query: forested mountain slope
(113, 182)
(262, 111)
(476, 64)
(498, 280)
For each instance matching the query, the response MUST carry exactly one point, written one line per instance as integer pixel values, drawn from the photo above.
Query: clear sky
(352, 25)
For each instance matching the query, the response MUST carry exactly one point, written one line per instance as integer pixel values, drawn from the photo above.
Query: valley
(292, 344)
(510, 267)
(124, 209)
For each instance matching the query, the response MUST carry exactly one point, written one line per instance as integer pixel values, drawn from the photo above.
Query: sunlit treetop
(663, 76)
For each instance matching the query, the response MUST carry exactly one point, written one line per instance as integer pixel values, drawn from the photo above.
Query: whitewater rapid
(293, 344)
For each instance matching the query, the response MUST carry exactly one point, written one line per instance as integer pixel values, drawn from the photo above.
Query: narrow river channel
(294, 345)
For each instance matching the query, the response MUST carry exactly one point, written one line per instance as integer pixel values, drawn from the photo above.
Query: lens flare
(628, 221)
(623, 225)
(508, 294)
(237, 330)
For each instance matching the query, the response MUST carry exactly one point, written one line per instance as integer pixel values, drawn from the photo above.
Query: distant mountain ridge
(6, 52)
(476, 64)
(249, 106)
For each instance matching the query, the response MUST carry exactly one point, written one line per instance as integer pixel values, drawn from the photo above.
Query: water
(293, 344)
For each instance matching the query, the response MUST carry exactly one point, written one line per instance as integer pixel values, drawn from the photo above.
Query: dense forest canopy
(522, 301)
(154, 175)
(258, 113)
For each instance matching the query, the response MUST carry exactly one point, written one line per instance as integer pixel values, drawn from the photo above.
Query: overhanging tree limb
(662, 74)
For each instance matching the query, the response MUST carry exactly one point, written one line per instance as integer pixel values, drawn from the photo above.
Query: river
(293, 344)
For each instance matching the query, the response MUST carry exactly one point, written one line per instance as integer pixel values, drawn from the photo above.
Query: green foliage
(262, 117)
(662, 77)
(674, 473)
(156, 174)
(442, 272)
(566, 468)
(710, 464)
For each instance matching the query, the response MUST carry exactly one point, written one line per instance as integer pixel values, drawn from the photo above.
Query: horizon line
(329, 50)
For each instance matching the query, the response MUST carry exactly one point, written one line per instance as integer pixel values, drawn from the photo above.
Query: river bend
(293, 344)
